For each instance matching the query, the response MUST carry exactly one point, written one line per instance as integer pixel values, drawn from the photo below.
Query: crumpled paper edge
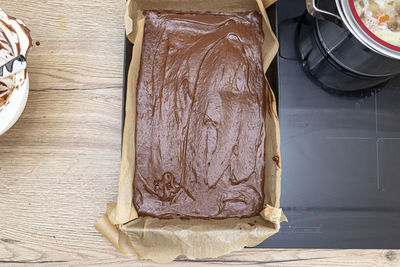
(208, 239)
(143, 236)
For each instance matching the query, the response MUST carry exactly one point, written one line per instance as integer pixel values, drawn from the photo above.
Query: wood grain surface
(59, 164)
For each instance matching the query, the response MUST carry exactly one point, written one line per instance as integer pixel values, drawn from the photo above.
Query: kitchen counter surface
(59, 165)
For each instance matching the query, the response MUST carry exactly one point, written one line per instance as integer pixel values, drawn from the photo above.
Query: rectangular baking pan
(272, 73)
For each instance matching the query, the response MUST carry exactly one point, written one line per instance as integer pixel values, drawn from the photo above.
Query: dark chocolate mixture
(200, 116)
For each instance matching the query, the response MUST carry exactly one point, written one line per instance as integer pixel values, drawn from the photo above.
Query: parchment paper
(162, 240)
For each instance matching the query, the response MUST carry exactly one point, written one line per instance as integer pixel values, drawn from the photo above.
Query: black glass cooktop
(340, 157)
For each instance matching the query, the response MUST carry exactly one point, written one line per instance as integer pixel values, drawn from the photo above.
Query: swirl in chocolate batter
(15, 40)
(200, 129)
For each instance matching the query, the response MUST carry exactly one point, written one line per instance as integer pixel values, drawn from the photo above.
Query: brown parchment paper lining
(162, 240)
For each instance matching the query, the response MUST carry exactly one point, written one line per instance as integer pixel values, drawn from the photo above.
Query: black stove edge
(128, 47)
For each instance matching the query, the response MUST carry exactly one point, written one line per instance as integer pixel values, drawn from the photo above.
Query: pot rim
(357, 27)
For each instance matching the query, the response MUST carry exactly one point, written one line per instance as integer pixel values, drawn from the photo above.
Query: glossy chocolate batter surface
(200, 116)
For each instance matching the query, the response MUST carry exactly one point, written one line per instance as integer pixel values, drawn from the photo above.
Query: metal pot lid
(377, 35)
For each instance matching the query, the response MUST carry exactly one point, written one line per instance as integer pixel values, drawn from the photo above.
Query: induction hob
(340, 157)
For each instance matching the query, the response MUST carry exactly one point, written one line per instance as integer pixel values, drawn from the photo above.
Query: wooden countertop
(59, 165)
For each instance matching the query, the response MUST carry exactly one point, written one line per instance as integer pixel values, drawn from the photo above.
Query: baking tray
(272, 74)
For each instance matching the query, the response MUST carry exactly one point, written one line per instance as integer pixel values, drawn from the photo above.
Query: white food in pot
(382, 18)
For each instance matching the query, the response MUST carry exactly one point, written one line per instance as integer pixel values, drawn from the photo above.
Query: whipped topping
(15, 40)
(6, 51)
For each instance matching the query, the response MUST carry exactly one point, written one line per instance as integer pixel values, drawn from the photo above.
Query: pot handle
(322, 14)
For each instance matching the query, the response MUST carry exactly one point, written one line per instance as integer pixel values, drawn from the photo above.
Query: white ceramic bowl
(16, 105)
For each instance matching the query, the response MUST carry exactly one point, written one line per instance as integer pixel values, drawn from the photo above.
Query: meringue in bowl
(15, 41)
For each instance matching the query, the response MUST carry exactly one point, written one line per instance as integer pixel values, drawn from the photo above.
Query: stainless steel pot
(342, 42)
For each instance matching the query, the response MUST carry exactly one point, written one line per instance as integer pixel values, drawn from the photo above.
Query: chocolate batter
(200, 116)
